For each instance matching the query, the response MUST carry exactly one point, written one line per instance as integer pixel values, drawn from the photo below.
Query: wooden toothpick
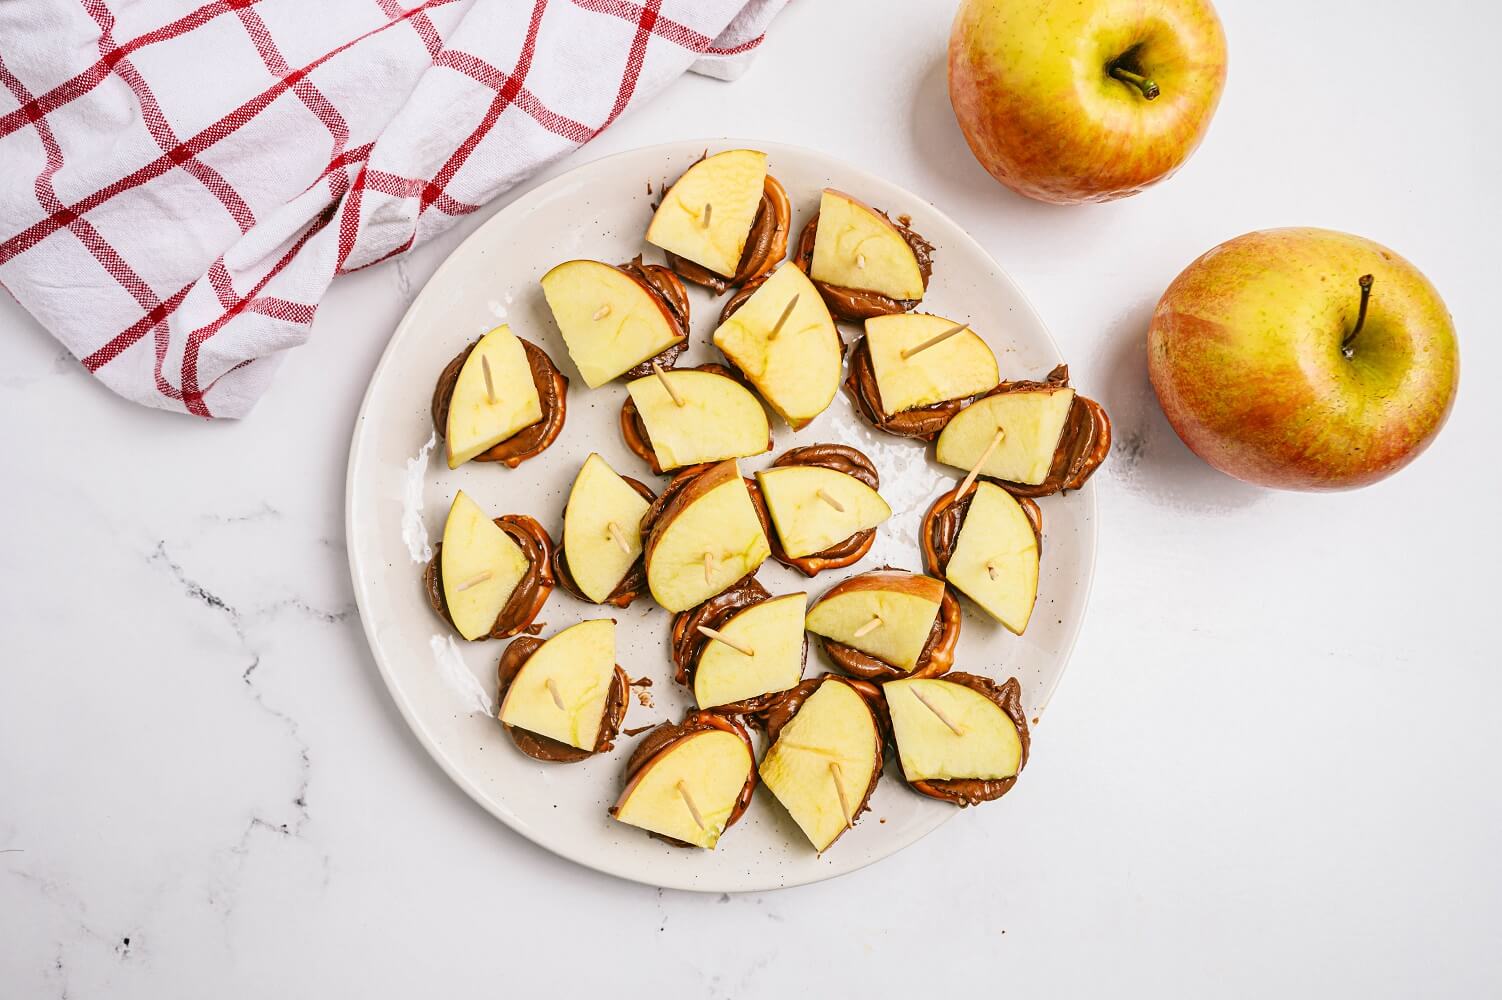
(662, 377)
(719, 636)
(619, 536)
(935, 709)
(553, 690)
(831, 501)
(870, 626)
(601, 312)
(969, 479)
(708, 211)
(991, 569)
(473, 581)
(489, 385)
(839, 789)
(708, 566)
(688, 800)
(860, 261)
(787, 311)
(936, 339)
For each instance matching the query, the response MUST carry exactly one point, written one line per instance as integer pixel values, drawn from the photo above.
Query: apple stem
(1147, 87)
(1365, 281)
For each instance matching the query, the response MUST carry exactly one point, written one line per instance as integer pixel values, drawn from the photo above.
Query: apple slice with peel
(487, 409)
(946, 730)
(480, 566)
(708, 537)
(719, 418)
(772, 632)
(1030, 422)
(887, 614)
(706, 216)
(960, 366)
(601, 528)
(561, 691)
(610, 321)
(823, 760)
(799, 501)
(793, 358)
(690, 790)
(855, 246)
(995, 558)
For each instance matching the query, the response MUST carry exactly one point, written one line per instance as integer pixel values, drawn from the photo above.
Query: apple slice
(719, 418)
(948, 730)
(610, 321)
(960, 366)
(480, 566)
(1031, 424)
(825, 760)
(601, 529)
(799, 502)
(772, 632)
(706, 537)
(482, 413)
(694, 786)
(856, 246)
(793, 358)
(706, 216)
(887, 614)
(995, 558)
(561, 690)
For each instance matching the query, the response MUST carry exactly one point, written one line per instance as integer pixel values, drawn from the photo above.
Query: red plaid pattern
(180, 180)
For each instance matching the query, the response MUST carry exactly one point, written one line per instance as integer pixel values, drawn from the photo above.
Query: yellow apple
(610, 321)
(603, 513)
(484, 411)
(562, 689)
(995, 558)
(480, 567)
(706, 215)
(719, 418)
(1031, 424)
(960, 366)
(887, 614)
(798, 500)
(772, 632)
(855, 246)
(707, 538)
(945, 730)
(691, 790)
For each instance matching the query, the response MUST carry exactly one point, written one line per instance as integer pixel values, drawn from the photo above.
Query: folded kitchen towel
(181, 180)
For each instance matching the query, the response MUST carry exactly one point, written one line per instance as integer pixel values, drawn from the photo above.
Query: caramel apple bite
(602, 536)
(961, 738)
(489, 578)
(822, 500)
(862, 262)
(689, 782)
(887, 624)
(500, 400)
(987, 544)
(693, 416)
(741, 649)
(618, 320)
(562, 700)
(912, 372)
(702, 535)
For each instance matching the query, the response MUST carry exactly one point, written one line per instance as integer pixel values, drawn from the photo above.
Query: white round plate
(399, 489)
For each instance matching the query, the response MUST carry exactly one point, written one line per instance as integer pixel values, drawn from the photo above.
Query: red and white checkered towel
(180, 180)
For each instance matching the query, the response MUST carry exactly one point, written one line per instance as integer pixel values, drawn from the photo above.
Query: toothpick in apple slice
(553, 690)
(935, 340)
(489, 385)
(839, 789)
(870, 626)
(619, 536)
(786, 312)
(708, 212)
(719, 636)
(473, 581)
(688, 800)
(708, 566)
(991, 570)
(935, 709)
(831, 501)
(601, 312)
(985, 456)
(662, 377)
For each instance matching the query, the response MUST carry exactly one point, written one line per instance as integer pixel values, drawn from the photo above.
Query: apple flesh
(1084, 101)
(480, 566)
(708, 539)
(1266, 367)
(807, 523)
(712, 765)
(995, 558)
(1031, 422)
(773, 632)
(481, 415)
(987, 746)
(578, 666)
(906, 604)
(797, 371)
(719, 418)
(956, 368)
(823, 761)
(728, 187)
(599, 500)
(610, 322)
(855, 246)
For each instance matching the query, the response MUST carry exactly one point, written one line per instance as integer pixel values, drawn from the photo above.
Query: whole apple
(1304, 359)
(1088, 100)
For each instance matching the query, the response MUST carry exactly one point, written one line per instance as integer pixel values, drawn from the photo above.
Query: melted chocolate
(974, 791)
(552, 393)
(688, 644)
(634, 429)
(664, 286)
(531, 591)
(945, 519)
(766, 244)
(662, 738)
(921, 422)
(546, 748)
(1083, 446)
(630, 586)
(937, 655)
(855, 305)
(840, 458)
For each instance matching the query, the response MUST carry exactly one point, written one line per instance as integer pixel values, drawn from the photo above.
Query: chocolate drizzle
(545, 748)
(921, 422)
(974, 791)
(634, 429)
(530, 441)
(857, 304)
(1083, 445)
(938, 652)
(688, 644)
(662, 738)
(531, 591)
(945, 519)
(766, 244)
(840, 458)
(665, 287)
(630, 586)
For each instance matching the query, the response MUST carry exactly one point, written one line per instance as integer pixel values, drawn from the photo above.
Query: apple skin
(1030, 84)
(1245, 355)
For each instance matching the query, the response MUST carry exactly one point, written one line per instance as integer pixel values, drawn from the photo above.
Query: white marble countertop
(1272, 769)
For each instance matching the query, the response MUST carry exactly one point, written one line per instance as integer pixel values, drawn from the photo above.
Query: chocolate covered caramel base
(1083, 446)
(631, 585)
(840, 458)
(855, 305)
(665, 287)
(946, 518)
(936, 658)
(530, 441)
(688, 644)
(974, 791)
(634, 429)
(662, 738)
(766, 244)
(545, 748)
(922, 423)
(531, 591)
